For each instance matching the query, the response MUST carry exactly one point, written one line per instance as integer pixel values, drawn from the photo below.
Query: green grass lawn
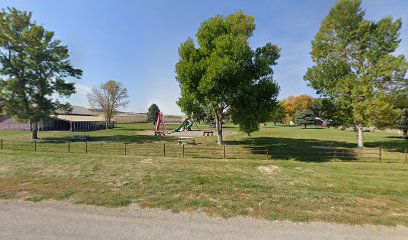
(300, 189)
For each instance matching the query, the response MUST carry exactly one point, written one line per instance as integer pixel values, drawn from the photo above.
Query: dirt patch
(268, 169)
(147, 161)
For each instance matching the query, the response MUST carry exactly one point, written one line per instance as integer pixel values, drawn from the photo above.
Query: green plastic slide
(188, 123)
(180, 127)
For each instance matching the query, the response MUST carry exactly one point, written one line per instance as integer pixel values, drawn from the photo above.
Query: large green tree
(278, 114)
(225, 73)
(152, 113)
(34, 67)
(402, 122)
(305, 117)
(355, 64)
(327, 109)
(401, 105)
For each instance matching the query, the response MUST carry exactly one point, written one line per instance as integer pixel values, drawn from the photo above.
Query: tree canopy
(305, 117)
(402, 122)
(278, 114)
(34, 67)
(152, 113)
(109, 97)
(225, 73)
(295, 104)
(355, 64)
(401, 105)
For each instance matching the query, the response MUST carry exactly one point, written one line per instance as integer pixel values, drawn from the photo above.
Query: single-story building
(79, 119)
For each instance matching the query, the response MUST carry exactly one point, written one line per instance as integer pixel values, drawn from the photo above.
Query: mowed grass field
(274, 188)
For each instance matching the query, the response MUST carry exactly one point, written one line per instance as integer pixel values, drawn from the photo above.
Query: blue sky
(136, 42)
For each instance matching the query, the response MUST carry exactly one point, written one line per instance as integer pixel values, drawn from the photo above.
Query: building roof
(77, 118)
(77, 110)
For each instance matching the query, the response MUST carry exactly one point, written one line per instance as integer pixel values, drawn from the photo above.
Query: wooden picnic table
(159, 133)
(186, 140)
(208, 133)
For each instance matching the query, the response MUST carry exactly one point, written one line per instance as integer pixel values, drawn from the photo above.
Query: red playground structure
(159, 122)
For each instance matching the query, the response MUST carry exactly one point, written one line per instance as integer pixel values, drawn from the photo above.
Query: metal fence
(171, 149)
(142, 149)
(340, 153)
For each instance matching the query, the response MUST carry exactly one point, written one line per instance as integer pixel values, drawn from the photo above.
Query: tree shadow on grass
(306, 150)
(397, 145)
(117, 138)
(134, 138)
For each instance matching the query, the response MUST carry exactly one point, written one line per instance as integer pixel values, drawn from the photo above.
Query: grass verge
(342, 192)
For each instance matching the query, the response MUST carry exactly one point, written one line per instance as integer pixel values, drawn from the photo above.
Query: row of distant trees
(304, 109)
(290, 109)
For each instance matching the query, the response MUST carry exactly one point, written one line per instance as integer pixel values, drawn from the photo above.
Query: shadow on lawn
(398, 145)
(133, 139)
(307, 150)
(314, 150)
(116, 138)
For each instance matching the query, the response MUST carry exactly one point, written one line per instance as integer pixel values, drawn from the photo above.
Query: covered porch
(72, 123)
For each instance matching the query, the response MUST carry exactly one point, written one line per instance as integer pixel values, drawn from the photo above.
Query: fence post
(334, 152)
(1, 144)
(125, 149)
(380, 154)
(183, 149)
(69, 145)
(86, 147)
(164, 149)
(224, 151)
(35, 145)
(267, 151)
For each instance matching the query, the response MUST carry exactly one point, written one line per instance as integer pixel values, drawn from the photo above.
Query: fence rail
(143, 149)
(170, 149)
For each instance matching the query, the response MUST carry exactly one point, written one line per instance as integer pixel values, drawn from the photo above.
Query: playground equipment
(159, 122)
(185, 125)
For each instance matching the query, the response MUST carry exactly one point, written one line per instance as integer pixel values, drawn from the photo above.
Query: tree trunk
(360, 136)
(35, 130)
(405, 133)
(219, 128)
(107, 122)
(305, 126)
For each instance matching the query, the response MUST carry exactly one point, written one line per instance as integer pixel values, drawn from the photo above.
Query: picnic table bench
(208, 133)
(186, 140)
(159, 133)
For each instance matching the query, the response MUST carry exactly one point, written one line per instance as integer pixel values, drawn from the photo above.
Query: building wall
(50, 124)
(10, 123)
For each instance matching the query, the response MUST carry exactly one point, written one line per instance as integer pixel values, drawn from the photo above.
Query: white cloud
(82, 89)
(80, 97)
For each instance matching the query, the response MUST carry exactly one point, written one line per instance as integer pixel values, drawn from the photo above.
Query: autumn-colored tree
(294, 105)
